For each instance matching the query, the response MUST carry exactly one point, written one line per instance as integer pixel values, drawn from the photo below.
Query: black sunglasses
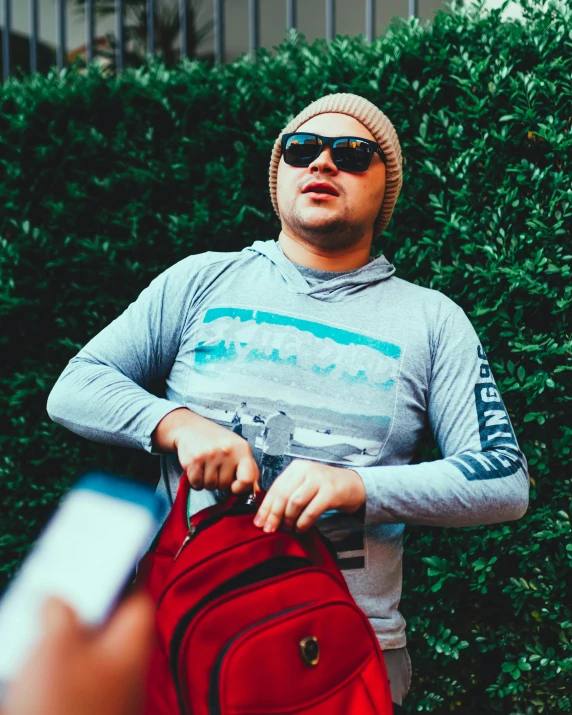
(348, 153)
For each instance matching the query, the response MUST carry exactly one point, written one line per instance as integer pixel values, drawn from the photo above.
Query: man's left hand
(304, 491)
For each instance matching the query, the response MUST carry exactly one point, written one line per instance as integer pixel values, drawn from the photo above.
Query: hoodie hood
(340, 287)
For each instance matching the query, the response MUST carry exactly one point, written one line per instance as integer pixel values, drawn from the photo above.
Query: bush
(105, 182)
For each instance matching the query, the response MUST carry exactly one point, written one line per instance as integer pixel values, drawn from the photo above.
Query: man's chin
(322, 226)
(321, 222)
(329, 235)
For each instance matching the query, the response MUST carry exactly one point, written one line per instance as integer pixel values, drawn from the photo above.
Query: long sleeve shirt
(360, 363)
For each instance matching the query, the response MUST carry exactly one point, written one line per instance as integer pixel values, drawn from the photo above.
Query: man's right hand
(212, 456)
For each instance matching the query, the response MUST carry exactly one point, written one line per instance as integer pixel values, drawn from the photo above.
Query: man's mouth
(320, 189)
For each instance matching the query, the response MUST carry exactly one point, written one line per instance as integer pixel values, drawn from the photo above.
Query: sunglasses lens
(301, 149)
(351, 154)
(348, 153)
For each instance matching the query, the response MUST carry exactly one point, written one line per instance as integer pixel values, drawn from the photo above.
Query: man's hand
(78, 670)
(213, 457)
(304, 491)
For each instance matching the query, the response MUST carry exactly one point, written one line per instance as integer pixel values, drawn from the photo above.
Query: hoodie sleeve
(101, 394)
(483, 477)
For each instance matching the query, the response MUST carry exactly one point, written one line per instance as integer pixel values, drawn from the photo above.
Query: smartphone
(86, 555)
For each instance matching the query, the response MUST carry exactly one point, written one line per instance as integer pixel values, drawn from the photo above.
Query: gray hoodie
(346, 371)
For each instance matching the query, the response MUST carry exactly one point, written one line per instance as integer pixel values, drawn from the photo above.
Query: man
(278, 435)
(359, 359)
(237, 419)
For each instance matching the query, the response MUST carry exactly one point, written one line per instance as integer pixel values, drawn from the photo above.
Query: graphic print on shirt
(295, 388)
(500, 456)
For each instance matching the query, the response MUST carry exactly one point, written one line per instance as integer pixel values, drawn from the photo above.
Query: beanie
(372, 119)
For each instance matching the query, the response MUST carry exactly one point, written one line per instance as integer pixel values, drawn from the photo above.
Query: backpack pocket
(316, 659)
(202, 634)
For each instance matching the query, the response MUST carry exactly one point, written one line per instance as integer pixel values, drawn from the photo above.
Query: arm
(483, 477)
(101, 394)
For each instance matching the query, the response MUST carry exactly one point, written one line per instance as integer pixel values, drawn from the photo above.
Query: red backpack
(252, 623)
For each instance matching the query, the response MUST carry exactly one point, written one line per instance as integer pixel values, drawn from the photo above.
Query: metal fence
(219, 30)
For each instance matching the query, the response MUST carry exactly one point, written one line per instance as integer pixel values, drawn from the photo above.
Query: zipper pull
(188, 537)
(251, 499)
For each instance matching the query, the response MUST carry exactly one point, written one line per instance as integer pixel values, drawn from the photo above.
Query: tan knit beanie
(376, 122)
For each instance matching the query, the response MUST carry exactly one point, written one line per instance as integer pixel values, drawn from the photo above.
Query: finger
(195, 472)
(293, 474)
(226, 473)
(297, 502)
(59, 619)
(264, 509)
(211, 475)
(129, 636)
(274, 511)
(319, 504)
(246, 475)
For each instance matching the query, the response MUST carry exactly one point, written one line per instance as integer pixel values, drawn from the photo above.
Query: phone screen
(85, 555)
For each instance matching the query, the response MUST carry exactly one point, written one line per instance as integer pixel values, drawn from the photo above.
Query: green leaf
(107, 181)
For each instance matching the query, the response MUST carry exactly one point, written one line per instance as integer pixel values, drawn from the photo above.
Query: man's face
(326, 221)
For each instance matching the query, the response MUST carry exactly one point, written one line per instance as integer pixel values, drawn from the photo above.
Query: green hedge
(105, 182)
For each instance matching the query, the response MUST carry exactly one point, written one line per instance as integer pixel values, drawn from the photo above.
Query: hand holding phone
(81, 670)
(85, 556)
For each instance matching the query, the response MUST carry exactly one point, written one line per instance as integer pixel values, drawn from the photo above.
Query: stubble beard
(335, 234)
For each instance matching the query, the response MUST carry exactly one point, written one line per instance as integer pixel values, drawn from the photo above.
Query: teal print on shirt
(344, 337)
(334, 388)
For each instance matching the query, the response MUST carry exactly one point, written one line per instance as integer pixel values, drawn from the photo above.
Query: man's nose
(324, 162)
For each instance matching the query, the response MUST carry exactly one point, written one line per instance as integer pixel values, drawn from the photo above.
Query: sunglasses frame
(328, 141)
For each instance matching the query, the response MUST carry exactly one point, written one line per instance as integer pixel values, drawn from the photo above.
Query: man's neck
(305, 254)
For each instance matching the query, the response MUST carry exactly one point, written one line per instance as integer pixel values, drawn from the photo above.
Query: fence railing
(218, 29)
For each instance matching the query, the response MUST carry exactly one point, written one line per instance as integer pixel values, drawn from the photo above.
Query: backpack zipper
(238, 509)
(191, 532)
